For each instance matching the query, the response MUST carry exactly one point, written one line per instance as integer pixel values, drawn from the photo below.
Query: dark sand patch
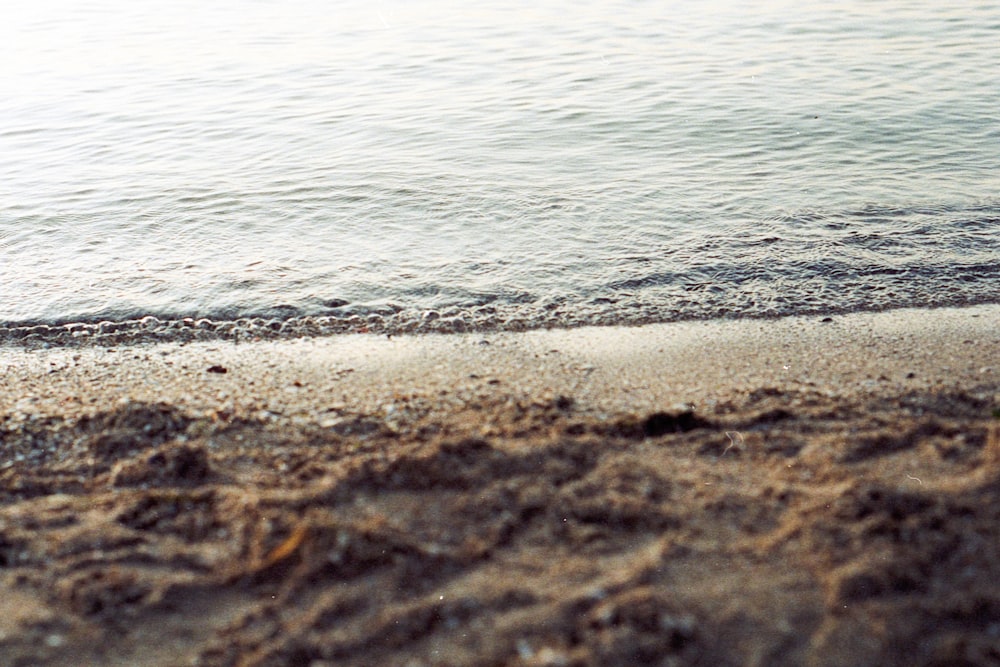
(509, 530)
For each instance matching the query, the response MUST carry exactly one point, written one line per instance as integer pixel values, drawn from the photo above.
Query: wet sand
(796, 491)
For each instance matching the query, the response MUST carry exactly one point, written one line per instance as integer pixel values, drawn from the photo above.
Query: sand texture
(791, 492)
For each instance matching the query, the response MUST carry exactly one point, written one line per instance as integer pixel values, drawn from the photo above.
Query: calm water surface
(503, 166)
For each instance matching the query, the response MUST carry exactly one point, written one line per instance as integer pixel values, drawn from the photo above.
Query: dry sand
(751, 492)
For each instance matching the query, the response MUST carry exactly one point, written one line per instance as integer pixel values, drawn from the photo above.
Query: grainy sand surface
(791, 492)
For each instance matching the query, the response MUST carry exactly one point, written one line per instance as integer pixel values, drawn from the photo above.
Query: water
(400, 166)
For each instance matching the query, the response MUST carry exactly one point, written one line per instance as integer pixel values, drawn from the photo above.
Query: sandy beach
(802, 491)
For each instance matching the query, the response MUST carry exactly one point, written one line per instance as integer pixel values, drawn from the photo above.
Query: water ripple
(628, 163)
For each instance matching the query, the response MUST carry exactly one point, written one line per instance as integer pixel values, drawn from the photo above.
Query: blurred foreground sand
(749, 492)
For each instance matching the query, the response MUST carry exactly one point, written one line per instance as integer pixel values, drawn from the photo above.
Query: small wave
(875, 258)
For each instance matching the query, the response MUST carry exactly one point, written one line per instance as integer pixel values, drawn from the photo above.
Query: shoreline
(386, 320)
(611, 368)
(778, 492)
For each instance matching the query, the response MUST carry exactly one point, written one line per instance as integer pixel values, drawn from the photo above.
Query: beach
(798, 491)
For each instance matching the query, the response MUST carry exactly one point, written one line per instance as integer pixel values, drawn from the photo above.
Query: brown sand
(760, 493)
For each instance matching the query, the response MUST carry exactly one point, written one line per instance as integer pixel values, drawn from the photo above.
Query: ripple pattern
(504, 166)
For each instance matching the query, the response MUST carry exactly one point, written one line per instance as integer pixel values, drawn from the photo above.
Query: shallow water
(504, 167)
